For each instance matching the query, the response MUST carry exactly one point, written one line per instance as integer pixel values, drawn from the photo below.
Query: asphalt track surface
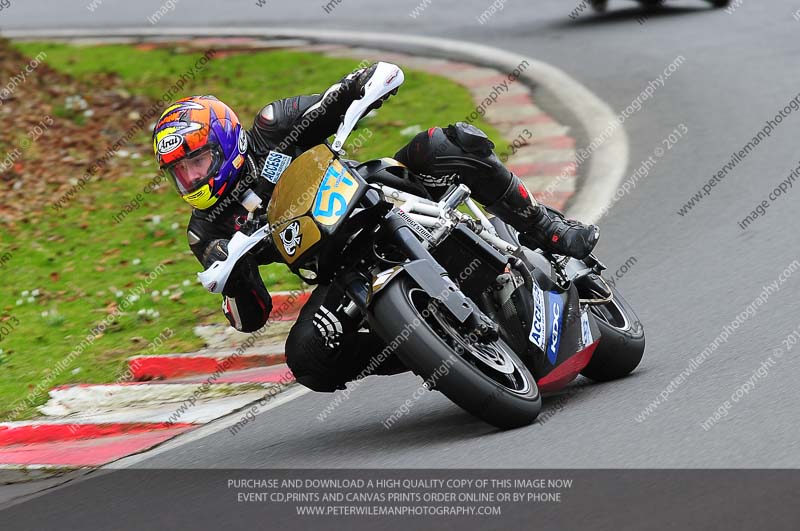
(692, 275)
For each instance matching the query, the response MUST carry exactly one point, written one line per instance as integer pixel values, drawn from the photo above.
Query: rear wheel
(486, 379)
(621, 335)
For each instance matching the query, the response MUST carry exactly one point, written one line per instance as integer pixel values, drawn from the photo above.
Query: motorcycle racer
(216, 166)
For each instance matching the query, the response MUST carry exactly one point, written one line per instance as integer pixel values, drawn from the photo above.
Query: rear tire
(622, 340)
(503, 400)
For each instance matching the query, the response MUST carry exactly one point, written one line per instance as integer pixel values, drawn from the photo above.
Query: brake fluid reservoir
(251, 201)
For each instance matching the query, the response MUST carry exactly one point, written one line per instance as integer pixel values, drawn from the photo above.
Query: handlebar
(386, 78)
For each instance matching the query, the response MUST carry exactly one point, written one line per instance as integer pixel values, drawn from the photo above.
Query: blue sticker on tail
(556, 309)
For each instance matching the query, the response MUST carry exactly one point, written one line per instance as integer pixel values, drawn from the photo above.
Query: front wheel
(486, 379)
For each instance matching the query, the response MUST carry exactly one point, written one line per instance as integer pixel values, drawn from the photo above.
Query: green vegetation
(64, 273)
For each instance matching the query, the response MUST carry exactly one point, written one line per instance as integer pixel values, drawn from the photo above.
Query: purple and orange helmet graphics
(201, 144)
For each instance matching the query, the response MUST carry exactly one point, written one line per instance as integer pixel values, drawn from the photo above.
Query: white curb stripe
(108, 398)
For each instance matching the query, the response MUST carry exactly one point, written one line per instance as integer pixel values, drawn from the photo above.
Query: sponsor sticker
(274, 166)
(586, 330)
(391, 77)
(169, 143)
(291, 237)
(556, 307)
(537, 335)
(416, 227)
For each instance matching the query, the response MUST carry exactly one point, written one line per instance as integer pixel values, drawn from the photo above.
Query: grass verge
(66, 272)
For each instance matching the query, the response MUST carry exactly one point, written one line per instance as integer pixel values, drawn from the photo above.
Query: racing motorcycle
(601, 5)
(486, 321)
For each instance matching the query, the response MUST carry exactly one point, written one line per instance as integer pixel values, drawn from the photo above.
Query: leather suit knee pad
(459, 153)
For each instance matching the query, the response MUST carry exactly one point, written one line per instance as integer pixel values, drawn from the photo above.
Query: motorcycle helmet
(200, 144)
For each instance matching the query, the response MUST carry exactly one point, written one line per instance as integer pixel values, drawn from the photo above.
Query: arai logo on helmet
(291, 237)
(169, 143)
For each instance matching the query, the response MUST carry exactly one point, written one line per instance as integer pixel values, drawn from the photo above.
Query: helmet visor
(190, 173)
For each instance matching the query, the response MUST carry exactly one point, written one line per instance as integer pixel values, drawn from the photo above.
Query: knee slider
(460, 152)
(479, 167)
(439, 152)
(470, 138)
(300, 358)
(294, 347)
(421, 152)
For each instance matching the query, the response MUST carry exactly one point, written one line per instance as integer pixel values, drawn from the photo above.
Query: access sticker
(538, 334)
(274, 166)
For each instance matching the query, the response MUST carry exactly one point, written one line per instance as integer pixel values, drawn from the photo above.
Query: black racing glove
(355, 83)
(243, 275)
(217, 251)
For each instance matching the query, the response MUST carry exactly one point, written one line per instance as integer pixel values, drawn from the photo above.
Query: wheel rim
(610, 312)
(492, 360)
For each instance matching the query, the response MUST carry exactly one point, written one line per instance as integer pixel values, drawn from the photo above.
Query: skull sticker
(290, 236)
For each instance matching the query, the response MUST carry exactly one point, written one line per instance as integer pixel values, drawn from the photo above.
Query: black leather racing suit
(325, 348)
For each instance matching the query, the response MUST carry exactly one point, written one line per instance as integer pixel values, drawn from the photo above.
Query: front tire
(470, 375)
(622, 340)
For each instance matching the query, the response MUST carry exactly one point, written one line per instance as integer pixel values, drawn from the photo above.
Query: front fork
(430, 276)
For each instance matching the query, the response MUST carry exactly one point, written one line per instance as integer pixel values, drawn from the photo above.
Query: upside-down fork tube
(426, 271)
(358, 289)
